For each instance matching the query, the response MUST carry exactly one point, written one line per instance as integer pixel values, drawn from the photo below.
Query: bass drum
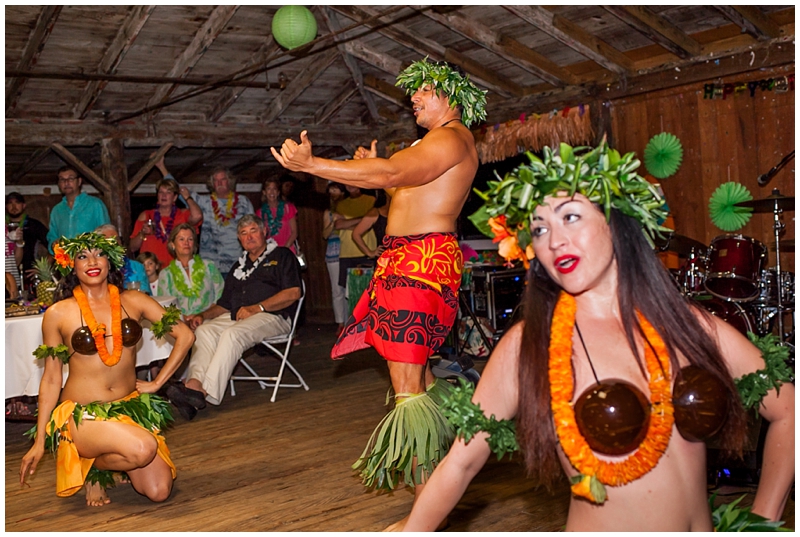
(733, 313)
(734, 267)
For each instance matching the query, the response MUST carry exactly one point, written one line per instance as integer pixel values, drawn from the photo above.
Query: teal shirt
(87, 214)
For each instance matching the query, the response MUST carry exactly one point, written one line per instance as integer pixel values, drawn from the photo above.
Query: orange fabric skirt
(71, 468)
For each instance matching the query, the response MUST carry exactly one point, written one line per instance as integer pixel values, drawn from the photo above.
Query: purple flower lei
(170, 223)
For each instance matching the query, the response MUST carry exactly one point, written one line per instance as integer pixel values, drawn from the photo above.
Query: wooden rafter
(201, 162)
(751, 20)
(144, 170)
(388, 91)
(36, 41)
(229, 95)
(407, 38)
(203, 39)
(332, 21)
(314, 68)
(334, 104)
(29, 164)
(182, 134)
(505, 47)
(127, 34)
(658, 29)
(85, 170)
(252, 161)
(575, 37)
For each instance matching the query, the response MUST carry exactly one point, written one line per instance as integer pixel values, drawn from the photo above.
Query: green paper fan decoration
(722, 206)
(663, 155)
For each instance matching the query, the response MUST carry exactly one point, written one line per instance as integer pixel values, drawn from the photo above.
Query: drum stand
(779, 226)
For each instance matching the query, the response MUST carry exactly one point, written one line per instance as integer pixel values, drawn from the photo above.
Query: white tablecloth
(24, 334)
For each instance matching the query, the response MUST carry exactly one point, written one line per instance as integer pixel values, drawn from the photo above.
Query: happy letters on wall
(781, 84)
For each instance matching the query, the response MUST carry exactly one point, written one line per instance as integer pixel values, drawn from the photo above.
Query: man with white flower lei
(259, 301)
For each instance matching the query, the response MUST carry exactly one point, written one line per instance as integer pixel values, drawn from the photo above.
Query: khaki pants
(220, 343)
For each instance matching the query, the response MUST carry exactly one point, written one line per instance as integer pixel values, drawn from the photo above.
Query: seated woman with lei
(94, 326)
(603, 326)
(195, 283)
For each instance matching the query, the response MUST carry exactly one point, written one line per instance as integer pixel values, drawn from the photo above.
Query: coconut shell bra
(83, 341)
(614, 415)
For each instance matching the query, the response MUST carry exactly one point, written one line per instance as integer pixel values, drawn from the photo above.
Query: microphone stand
(764, 179)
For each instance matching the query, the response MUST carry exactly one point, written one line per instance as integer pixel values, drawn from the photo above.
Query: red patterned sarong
(411, 302)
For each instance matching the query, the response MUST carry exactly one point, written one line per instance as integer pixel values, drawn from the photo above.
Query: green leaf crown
(599, 173)
(90, 241)
(459, 89)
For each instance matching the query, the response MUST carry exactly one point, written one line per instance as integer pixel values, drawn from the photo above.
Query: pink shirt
(289, 212)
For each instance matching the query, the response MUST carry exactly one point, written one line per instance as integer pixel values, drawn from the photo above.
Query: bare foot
(96, 495)
(121, 478)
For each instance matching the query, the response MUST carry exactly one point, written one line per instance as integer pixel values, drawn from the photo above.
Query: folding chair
(283, 356)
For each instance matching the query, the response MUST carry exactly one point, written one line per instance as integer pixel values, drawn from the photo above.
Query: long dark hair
(70, 282)
(644, 285)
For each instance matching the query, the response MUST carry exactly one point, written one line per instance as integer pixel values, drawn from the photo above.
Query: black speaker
(496, 292)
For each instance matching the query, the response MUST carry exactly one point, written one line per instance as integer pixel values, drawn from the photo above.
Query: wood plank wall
(736, 139)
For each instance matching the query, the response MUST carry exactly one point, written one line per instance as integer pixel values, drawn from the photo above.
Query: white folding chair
(272, 343)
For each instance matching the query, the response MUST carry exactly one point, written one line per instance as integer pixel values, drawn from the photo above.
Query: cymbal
(767, 205)
(683, 245)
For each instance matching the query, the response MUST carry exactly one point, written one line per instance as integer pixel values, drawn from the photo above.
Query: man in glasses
(77, 212)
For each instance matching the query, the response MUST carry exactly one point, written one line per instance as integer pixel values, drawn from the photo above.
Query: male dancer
(411, 303)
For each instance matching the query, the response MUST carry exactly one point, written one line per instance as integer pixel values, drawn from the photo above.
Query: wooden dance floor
(252, 465)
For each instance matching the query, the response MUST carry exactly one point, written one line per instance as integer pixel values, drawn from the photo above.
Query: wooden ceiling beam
(334, 104)
(181, 134)
(403, 36)
(333, 24)
(29, 164)
(575, 37)
(127, 34)
(145, 169)
(261, 156)
(657, 29)
(201, 162)
(315, 66)
(228, 96)
(41, 31)
(388, 91)
(752, 20)
(85, 170)
(505, 47)
(203, 39)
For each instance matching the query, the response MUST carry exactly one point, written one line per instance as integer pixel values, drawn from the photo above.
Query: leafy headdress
(599, 173)
(459, 89)
(66, 249)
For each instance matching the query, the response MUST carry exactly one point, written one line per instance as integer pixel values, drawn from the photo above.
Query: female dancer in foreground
(599, 306)
(94, 326)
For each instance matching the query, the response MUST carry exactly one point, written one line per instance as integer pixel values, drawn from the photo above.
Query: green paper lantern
(294, 26)
(663, 155)
(725, 214)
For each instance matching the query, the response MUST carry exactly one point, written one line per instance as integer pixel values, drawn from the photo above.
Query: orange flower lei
(98, 330)
(594, 471)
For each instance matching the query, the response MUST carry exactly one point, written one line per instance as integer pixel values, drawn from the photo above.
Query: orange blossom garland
(98, 330)
(580, 455)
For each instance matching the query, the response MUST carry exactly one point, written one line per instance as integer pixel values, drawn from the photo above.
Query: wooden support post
(84, 170)
(118, 200)
(600, 114)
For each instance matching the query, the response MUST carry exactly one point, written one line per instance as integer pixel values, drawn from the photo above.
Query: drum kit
(730, 278)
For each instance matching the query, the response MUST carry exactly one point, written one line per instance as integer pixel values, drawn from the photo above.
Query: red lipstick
(569, 267)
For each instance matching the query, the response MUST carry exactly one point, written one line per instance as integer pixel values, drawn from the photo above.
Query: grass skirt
(409, 442)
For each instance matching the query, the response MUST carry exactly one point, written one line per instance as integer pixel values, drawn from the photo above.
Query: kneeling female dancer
(104, 420)
(603, 323)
